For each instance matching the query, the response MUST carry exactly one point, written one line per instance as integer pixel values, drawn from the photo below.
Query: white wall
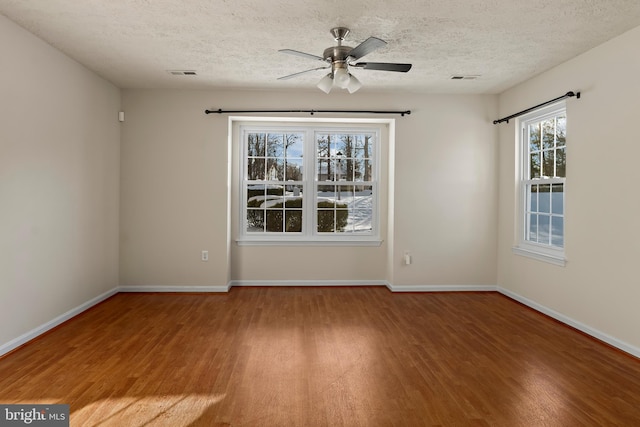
(174, 192)
(599, 287)
(59, 183)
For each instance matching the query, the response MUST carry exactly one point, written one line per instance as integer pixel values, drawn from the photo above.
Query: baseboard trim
(441, 288)
(172, 289)
(619, 344)
(36, 332)
(308, 283)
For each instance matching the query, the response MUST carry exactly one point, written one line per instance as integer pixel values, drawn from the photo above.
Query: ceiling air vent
(182, 72)
(461, 77)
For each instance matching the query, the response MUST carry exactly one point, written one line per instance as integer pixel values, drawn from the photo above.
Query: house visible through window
(306, 183)
(543, 176)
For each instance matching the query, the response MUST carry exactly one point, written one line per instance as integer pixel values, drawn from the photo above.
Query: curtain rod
(312, 112)
(566, 95)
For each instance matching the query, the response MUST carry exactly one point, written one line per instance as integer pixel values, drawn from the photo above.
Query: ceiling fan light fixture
(341, 78)
(354, 84)
(326, 83)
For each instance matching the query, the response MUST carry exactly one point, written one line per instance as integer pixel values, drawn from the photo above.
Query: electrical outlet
(205, 255)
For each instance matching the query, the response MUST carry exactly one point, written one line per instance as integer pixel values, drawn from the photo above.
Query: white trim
(306, 242)
(558, 260)
(628, 348)
(522, 246)
(442, 288)
(45, 327)
(34, 333)
(221, 288)
(308, 283)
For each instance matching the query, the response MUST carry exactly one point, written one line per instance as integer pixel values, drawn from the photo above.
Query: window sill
(551, 258)
(310, 242)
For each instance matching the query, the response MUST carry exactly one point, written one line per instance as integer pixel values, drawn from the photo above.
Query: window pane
(274, 220)
(561, 130)
(340, 167)
(256, 143)
(532, 227)
(275, 169)
(549, 158)
(358, 170)
(364, 146)
(294, 145)
(255, 169)
(544, 229)
(346, 194)
(548, 134)
(362, 170)
(344, 146)
(557, 231)
(294, 191)
(363, 151)
(327, 193)
(322, 145)
(325, 170)
(561, 163)
(534, 137)
(533, 198)
(293, 220)
(342, 217)
(255, 220)
(326, 218)
(275, 145)
(293, 171)
(535, 165)
(348, 173)
(544, 198)
(557, 199)
(361, 209)
(255, 195)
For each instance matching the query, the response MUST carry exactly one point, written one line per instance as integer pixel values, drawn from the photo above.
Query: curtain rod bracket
(520, 113)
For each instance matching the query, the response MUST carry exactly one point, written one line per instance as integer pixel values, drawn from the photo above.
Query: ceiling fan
(339, 58)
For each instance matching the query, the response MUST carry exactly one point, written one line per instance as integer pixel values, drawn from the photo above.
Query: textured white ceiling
(234, 43)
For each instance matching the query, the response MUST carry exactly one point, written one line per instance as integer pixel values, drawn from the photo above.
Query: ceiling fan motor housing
(337, 53)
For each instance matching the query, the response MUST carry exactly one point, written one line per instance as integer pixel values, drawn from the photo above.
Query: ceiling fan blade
(366, 47)
(301, 72)
(302, 54)
(383, 66)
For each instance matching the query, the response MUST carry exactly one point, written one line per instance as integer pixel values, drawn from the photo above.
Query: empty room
(319, 213)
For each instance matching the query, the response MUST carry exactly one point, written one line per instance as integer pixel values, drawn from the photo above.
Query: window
(542, 184)
(305, 183)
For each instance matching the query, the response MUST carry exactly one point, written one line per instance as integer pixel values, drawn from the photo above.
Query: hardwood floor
(360, 356)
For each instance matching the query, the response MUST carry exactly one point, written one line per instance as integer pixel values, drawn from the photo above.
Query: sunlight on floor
(543, 396)
(175, 410)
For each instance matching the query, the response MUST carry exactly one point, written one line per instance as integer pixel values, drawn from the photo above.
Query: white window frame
(540, 251)
(309, 235)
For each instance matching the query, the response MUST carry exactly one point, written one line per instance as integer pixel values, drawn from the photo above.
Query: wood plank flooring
(357, 356)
